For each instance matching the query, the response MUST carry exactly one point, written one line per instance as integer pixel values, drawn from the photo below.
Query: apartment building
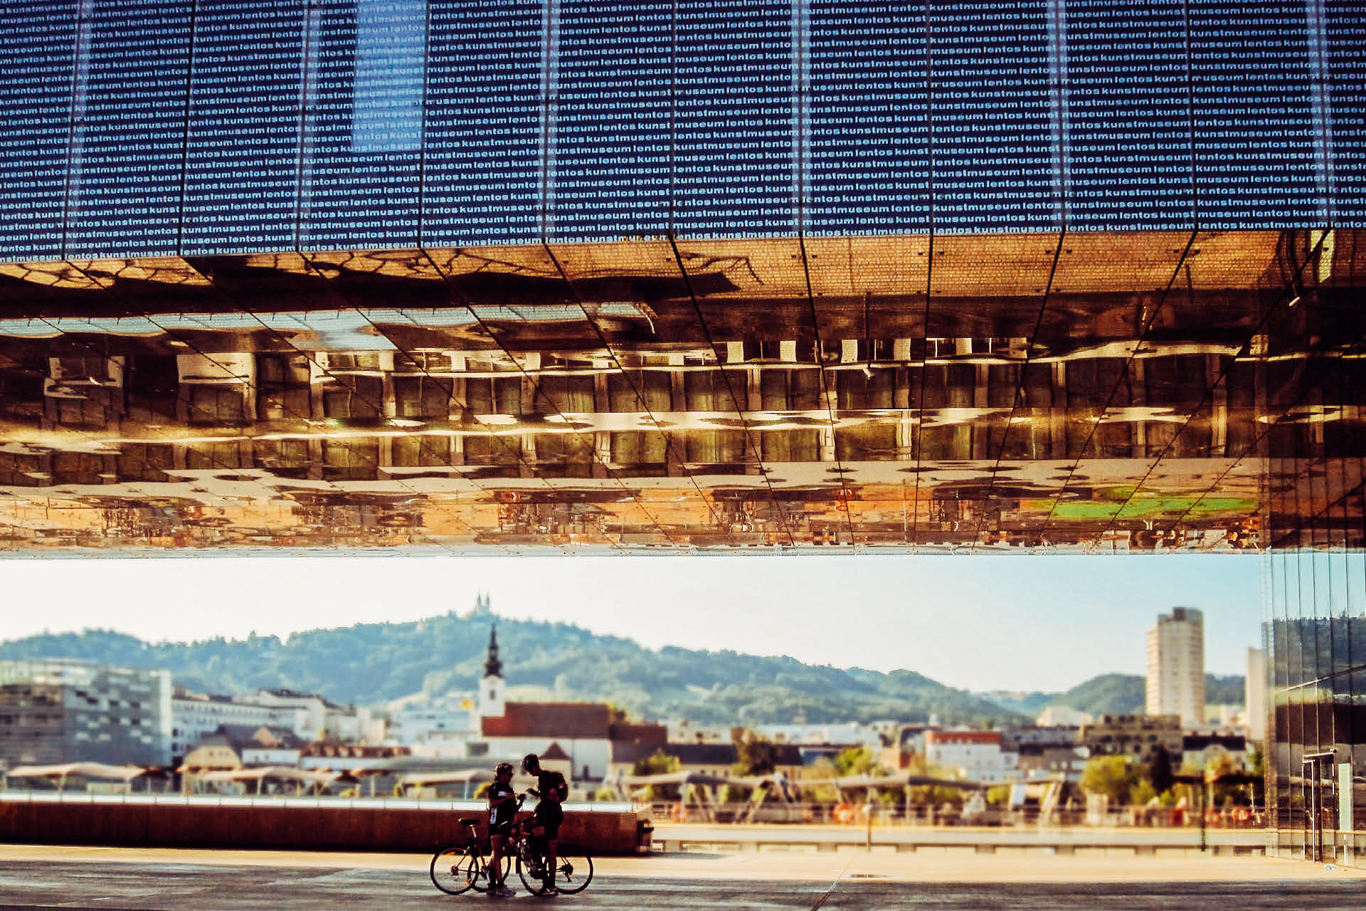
(64, 710)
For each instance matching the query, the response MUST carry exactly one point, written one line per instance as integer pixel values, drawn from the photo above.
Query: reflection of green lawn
(1145, 507)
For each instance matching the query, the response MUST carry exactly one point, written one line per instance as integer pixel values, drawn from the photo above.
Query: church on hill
(571, 737)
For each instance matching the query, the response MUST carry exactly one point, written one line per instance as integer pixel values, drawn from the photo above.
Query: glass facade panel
(611, 120)
(867, 166)
(1341, 59)
(995, 134)
(1128, 116)
(736, 146)
(482, 166)
(360, 174)
(37, 54)
(1259, 151)
(129, 120)
(241, 164)
(236, 125)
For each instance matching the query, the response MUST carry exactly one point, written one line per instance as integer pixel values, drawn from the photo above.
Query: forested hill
(1113, 693)
(374, 663)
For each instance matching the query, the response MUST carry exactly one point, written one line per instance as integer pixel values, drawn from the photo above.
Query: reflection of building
(1176, 666)
(1134, 736)
(60, 710)
(621, 428)
(1254, 696)
(1316, 648)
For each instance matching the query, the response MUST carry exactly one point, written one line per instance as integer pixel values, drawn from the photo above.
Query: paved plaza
(175, 880)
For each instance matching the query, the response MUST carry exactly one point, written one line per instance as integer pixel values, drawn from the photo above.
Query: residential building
(196, 715)
(1062, 715)
(1045, 751)
(236, 746)
(1176, 666)
(450, 719)
(972, 755)
(848, 734)
(311, 717)
(1015, 736)
(1225, 717)
(64, 710)
(1200, 750)
(1134, 736)
(350, 757)
(906, 742)
(685, 731)
(582, 730)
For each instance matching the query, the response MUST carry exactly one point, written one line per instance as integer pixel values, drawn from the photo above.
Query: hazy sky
(994, 622)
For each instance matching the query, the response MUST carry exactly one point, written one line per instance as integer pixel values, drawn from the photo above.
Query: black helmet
(503, 768)
(530, 761)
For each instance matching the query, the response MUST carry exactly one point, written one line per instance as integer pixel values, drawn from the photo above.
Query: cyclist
(502, 811)
(551, 790)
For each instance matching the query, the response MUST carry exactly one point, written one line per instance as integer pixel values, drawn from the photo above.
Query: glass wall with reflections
(1315, 610)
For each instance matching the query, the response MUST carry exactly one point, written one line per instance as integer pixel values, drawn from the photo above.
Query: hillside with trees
(370, 664)
(1113, 694)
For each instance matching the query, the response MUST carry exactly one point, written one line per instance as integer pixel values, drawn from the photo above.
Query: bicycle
(573, 865)
(459, 868)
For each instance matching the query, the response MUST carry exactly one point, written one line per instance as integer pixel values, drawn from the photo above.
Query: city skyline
(1057, 622)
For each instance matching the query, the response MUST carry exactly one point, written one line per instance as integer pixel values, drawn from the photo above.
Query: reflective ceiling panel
(1093, 392)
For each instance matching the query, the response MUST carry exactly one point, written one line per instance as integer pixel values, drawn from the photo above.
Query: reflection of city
(1101, 392)
(1318, 683)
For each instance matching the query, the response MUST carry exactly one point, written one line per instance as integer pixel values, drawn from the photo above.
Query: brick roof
(554, 751)
(639, 733)
(567, 720)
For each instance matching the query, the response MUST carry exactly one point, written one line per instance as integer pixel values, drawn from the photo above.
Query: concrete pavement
(948, 866)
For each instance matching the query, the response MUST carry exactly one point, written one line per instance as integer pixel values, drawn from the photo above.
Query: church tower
(492, 689)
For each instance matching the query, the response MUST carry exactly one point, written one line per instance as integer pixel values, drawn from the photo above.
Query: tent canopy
(285, 773)
(82, 769)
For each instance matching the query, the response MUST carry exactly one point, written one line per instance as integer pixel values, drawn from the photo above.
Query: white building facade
(1176, 667)
(973, 755)
(196, 715)
(446, 720)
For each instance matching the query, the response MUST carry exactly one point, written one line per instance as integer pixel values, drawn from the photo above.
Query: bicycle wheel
(573, 870)
(458, 869)
(529, 867)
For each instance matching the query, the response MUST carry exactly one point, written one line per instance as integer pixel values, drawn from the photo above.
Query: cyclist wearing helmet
(502, 811)
(551, 789)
